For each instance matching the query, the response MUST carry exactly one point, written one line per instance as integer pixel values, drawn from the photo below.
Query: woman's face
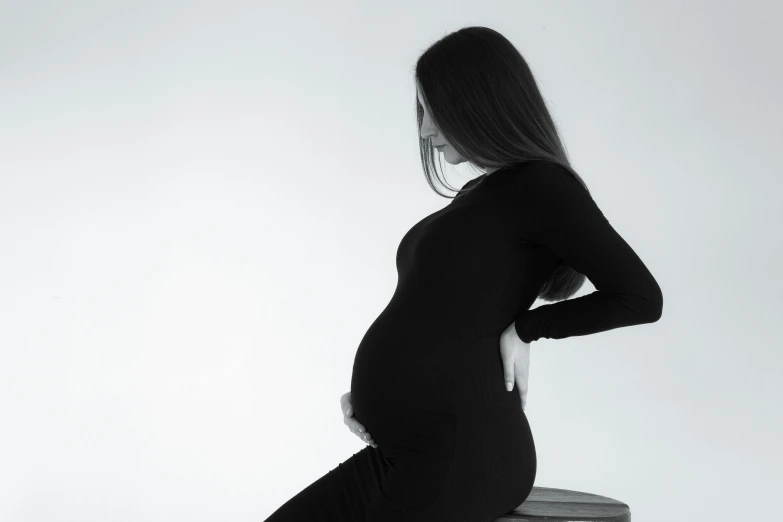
(428, 131)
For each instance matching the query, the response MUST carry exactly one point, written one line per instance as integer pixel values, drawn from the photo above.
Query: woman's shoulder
(541, 175)
(472, 183)
(538, 168)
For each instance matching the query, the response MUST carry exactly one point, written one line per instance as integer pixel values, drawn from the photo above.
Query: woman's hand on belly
(354, 425)
(515, 354)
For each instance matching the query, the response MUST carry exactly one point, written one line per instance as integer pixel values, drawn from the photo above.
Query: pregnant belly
(391, 378)
(441, 417)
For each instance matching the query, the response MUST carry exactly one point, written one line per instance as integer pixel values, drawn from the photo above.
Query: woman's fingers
(508, 371)
(522, 386)
(355, 426)
(366, 437)
(358, 429)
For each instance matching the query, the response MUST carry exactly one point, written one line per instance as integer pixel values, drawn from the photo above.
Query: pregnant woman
(448, 442)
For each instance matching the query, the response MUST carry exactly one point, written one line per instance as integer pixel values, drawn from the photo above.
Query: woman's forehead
(419, 96)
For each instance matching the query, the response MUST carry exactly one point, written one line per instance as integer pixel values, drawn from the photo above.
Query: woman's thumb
(345, 402)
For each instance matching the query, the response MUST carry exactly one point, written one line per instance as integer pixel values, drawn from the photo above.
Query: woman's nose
(427, 133)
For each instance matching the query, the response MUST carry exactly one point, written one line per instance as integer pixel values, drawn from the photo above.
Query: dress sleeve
(567, 221)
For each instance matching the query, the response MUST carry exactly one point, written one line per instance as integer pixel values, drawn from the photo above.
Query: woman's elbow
(655, 305)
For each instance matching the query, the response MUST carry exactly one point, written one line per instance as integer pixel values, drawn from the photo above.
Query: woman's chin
(452, 161)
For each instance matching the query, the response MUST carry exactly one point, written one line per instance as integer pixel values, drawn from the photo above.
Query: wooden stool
(562, 505)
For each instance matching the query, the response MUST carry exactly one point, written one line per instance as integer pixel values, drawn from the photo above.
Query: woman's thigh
(322, 501)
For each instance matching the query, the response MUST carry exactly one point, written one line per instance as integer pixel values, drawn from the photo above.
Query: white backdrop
(200, 204)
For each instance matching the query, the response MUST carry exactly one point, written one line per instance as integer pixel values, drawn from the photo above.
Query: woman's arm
(567, 221)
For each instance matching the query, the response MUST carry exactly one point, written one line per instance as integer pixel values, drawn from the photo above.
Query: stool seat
(563, 505)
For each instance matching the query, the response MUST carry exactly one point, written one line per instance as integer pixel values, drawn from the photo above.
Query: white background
(200, 205)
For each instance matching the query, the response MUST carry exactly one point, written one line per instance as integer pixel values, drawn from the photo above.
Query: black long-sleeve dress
(427, 382)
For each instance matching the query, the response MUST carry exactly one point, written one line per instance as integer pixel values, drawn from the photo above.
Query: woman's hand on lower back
(355, 426)
(515, 354)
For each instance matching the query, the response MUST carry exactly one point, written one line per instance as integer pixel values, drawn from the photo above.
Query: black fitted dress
(427, 382)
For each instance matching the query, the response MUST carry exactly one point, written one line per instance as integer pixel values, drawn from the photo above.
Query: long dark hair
(483, 98)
